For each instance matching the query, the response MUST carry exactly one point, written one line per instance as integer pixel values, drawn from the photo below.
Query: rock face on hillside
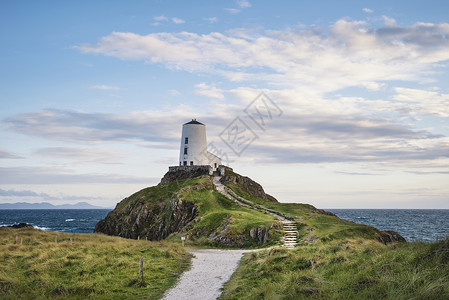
(246, 184)
(390, 236)
(143, 221)
(182, 173)
(152, 213)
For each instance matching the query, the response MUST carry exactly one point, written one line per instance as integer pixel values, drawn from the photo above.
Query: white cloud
(389, 21)
(82, 155)
(104, 87)
(367, 10)
(424, 101)
(209, 91)
(232, 10)
(177, 20)
(346, 54)
(211, 20)
(373, 86)
(243, 3)
(160, 18)
(174, 92)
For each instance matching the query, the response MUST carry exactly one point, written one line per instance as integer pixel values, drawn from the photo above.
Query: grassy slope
(95, 266)
(311, 221)
(216, 210)
(345, 269)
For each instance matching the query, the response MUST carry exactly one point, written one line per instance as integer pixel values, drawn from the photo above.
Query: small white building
(193, 150)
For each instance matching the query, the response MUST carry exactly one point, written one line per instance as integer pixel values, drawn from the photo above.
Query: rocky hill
(186, 203)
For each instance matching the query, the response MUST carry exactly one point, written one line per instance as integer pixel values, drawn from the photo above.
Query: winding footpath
(211, 268)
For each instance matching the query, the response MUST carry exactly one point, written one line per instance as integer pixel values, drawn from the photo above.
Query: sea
(65, 220)
(413, 224)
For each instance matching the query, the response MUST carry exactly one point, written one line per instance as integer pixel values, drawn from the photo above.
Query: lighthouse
(193, 150)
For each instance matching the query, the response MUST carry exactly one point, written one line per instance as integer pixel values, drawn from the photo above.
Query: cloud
(23, 193)
(82, 155)
(104, 87)
(8, 155)
(177, 20)
(43, 196)
(160, 18)
(423, 101)
(298, 136)
(367, 10)
(232, 10)
(95, 128)
(205, 90)
(211, 20)
(46, 175)
(174, 92)
(243, 4)
(346, 54)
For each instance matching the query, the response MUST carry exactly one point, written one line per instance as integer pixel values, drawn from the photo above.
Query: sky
(339, 104)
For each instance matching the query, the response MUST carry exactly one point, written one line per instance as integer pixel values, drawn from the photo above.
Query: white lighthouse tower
(193, 150)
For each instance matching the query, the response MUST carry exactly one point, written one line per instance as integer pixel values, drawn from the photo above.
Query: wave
(70, 220)
(40, 228)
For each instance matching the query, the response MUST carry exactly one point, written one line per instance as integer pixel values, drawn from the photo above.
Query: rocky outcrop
(259, 236)
(20, 225)
(184, 172)
(390, 236)
(245, 184)
(143, 218)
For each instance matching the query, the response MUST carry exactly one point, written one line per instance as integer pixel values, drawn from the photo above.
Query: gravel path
(211, 268)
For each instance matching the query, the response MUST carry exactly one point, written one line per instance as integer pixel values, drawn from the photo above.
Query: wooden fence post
(141, 269)
(70, 241)
(56, 239)
(17, 239)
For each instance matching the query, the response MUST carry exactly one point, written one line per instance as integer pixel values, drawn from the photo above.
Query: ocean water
(66, 220)
(413, 224)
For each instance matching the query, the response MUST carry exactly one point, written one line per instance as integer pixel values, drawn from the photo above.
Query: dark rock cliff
(152, 213)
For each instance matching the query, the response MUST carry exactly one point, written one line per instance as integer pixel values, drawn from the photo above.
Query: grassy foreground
(94, 266)
(345, 269)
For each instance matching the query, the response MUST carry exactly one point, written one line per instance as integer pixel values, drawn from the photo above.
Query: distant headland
(46, 205)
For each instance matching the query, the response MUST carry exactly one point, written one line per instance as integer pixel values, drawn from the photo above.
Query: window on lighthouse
(186, 141)
(185, 150)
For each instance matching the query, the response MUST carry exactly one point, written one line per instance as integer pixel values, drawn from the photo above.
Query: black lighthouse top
(194, 121)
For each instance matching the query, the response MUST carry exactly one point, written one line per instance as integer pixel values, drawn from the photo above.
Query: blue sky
(94, 94)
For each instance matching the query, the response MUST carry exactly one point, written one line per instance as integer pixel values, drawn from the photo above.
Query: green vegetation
(94, 266)
(311, 222)
(192, 208)
(344, 269)
(220, 215)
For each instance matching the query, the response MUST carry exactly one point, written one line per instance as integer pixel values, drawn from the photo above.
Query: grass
(94, 266)
(218, 213)
(310, 221)
(344, 269)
